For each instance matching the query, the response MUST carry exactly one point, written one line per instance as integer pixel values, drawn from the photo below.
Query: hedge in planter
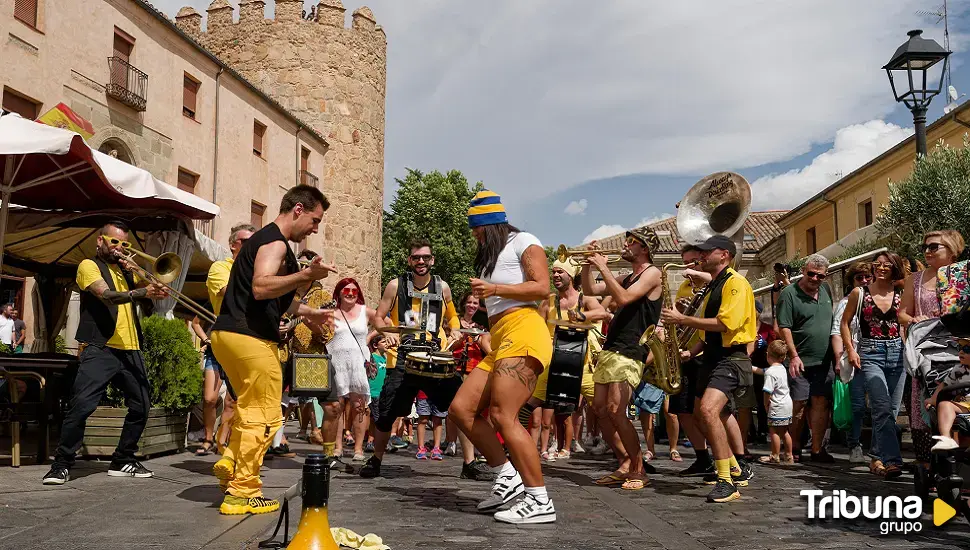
(173, 366)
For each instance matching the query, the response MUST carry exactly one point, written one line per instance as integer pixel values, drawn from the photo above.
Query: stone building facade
(333, 77)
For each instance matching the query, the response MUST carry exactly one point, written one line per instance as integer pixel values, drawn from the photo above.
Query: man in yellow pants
(262, 287)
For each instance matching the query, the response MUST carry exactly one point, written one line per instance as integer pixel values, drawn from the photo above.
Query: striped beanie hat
(486, 209)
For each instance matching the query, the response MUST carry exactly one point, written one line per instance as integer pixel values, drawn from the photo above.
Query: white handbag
(846, 370)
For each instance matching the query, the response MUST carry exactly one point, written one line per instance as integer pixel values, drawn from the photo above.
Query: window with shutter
(123, 45)
(16, 103)
(190, 94)
(257, 214)
(187, 180)
(259, 131)
(26, 11)
(304, 159)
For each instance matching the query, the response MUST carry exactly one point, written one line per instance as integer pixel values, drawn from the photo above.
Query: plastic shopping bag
(842, 405)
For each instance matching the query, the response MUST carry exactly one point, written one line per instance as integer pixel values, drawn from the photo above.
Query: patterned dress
(925, 303)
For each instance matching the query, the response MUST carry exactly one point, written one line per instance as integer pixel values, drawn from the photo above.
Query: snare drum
(430, 365)
(569, 350)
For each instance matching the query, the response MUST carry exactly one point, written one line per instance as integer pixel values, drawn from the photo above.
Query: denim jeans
(857, 394)
(882, 369)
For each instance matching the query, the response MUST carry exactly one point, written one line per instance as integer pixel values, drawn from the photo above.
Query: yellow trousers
(253, 368)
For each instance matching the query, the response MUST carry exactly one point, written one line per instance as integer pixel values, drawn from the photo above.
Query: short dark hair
(898, 271)
(307, 195)
(115, 223)
(419, 242)
(307, 255)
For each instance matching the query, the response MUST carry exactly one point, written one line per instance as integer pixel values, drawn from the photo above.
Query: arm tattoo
(100, 289)
(518, 369)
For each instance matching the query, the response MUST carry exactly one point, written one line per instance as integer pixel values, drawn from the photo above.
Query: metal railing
(204, 227)
(128, 85)
(306, 178)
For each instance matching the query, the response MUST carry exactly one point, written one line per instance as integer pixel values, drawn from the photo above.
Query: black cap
(719, 241)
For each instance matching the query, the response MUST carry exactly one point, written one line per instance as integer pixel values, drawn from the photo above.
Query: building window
(810, 243)
(259, 133)
(26, 11)
(257, 214)
(865, 213)
(187, 180)
(16, 103)
(190, 95)
(304, 159)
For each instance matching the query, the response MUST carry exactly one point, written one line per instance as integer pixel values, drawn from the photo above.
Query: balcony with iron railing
(128, 85)
(306, 178)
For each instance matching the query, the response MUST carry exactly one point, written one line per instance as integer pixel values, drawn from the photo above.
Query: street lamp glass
(911, 64)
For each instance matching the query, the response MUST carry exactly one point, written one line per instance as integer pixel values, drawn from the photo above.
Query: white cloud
(576, 208)
(535, 97)
(604, 231)
(854, 146)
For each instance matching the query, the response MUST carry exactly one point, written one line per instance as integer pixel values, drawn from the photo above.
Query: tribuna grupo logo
(896, 515)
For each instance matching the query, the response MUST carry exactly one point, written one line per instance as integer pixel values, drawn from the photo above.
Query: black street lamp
(913, 60)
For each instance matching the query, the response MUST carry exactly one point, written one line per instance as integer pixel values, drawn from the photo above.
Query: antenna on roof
(940, 13)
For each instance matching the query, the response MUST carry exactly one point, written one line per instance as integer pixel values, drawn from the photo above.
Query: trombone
(167, 268)
(564, 255)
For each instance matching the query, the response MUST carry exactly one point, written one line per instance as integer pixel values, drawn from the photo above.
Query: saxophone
(664, 372)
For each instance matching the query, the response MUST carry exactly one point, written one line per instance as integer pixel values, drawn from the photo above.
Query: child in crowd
(427, 410)
(779, 404)
(959, 403)
(375, 376)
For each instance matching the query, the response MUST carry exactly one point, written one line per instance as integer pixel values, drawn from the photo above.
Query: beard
(107, 255)
(421, 269)
(627, 255)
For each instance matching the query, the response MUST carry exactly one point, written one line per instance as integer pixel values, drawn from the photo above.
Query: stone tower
(333, 78)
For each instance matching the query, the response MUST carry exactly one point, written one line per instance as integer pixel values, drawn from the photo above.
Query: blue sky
(611, 110)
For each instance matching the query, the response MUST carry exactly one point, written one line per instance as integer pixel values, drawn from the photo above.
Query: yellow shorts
(615, 367)
(522, 333)
(588, 385)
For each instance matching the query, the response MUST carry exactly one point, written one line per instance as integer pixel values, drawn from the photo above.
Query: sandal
(892, 471)
(675, 456)
(206, 448)
(634, 484)
(769, 459)
(648, 455)
(611, 479)
(876, 467)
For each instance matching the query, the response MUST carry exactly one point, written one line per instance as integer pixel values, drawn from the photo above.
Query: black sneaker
(129, 469)
(282, 451)
(723, 492)
(740, 479)
(58, 475)
(477, 471)
(822, 457)
(698, 468)
(372, 468)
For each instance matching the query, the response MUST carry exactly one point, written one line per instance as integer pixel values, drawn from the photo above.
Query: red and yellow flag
(61, 116)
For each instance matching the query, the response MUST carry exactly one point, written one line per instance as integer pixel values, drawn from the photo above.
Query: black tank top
(241, 312)
(630, 322)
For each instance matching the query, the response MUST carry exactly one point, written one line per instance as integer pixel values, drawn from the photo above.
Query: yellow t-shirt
(217, 280)
(737, 311)
(686, 291)
(125, 336)
(447, 311)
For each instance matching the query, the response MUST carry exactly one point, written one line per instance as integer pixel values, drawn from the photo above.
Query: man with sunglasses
(111, 340)
(413, 299)
(805, 315)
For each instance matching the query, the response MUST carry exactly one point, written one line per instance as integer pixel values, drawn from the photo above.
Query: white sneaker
(577, 448)
(548, 456)
(600, 449)
(504, 490)
(451, 449)
(944, 443)
(857, 456)
(528, 510)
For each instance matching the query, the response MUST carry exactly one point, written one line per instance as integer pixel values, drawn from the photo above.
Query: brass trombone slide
(166, 268)
(564, 254)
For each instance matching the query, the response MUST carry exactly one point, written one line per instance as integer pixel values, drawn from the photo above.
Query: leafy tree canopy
(433, 206)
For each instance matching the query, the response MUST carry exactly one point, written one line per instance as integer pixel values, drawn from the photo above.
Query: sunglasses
(347, 291)
(878, 265)
(115, 242)
(933, 247)
(815, 275)
(421, 257)
(631, 240)
(862, 277)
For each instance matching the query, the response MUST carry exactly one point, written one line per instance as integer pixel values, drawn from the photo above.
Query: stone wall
(334, 78)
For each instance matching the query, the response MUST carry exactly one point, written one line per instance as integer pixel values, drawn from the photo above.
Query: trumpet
(166, 268)
(564, 254)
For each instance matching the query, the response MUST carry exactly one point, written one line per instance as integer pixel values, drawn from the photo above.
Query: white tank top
(508, 271)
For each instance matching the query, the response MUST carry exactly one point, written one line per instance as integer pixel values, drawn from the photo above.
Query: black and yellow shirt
(736, 311)
(125, 336)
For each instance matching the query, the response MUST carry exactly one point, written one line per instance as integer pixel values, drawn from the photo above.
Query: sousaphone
(718, 204)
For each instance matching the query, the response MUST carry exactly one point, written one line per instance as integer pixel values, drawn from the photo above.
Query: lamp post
(913, 61)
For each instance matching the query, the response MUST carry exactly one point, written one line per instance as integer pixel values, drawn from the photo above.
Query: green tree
(432, 206)
(936, 195)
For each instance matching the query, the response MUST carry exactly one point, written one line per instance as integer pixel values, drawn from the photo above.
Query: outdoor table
(57, 369)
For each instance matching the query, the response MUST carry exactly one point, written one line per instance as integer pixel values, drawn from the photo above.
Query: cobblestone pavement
(423, 504)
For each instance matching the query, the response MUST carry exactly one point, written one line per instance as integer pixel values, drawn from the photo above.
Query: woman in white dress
(349, 355)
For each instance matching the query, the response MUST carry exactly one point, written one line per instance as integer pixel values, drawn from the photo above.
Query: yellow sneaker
(224, 469)
(233, 505)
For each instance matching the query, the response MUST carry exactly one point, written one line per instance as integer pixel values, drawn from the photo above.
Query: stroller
(929, 355)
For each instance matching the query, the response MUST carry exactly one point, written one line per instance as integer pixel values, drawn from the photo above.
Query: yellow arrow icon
(942, 512)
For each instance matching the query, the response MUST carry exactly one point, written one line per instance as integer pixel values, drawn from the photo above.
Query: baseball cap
(719, 241)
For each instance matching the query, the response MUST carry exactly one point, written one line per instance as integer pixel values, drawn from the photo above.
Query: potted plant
(172, 363)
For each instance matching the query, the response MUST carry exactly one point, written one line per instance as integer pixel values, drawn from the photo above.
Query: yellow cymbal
(472, 331)
(570, 324)
(399, 330)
